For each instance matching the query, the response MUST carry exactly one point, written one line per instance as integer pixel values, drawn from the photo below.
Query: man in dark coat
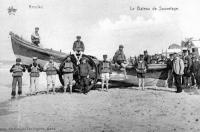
(196, 70)
(187, 73)
(170, 73)
(84, 72)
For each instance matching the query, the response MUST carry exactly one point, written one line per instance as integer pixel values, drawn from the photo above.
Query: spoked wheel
(92, 77)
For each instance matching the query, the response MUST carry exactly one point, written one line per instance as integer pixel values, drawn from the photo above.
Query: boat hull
(26, 51)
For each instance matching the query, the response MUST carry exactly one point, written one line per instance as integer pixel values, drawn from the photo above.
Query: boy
(68, 70)
(141, 68)
(17, 71)
(105, 68)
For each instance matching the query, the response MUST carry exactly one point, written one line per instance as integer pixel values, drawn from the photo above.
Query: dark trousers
(186, 77)
(197, 77)
(84, 84)
(178, 85)
(193, 79)
(170, 79)
(16, 80)
(36, 43)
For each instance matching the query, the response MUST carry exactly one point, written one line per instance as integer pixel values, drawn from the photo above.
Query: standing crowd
(183, 70)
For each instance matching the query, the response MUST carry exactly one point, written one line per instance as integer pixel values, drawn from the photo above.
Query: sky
(103, 24)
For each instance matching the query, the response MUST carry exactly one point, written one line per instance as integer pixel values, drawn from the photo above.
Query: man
(51, 69)
(194, 58)
(178, 71)
(141, 69)
(169, 67)
(78, 48)
(147, 57)
(105, 69)
(84, 72)
(68, 70)
(120, 59)
(17, 71)
(34, 70)
(35, 37)
(187, 73)
(196, 70)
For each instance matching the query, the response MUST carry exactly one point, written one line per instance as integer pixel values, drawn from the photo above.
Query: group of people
(183, 70)
(34, 69)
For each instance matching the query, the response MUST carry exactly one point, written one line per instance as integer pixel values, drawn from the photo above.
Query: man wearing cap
(141, 69)
(34, 69)
(187, 63)
(68, 70)
(196, 70)
(84, 72)
(169, 68)
(35, 37)
(120, 59)
(193, 58)
(178, 71)
(51, 69)
(78, 48)
(105, 70)
(17, 70)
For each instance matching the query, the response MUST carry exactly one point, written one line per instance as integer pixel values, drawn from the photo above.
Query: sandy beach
(125, 109)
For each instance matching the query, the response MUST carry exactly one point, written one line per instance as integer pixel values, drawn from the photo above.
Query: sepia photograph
(99, 66)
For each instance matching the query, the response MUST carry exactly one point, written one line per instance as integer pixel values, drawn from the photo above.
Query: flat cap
(18, 60)
(78, 36)
(121, 46)
(105, 56)
(145, 51)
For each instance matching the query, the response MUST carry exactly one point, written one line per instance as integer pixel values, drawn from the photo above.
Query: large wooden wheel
(93, 75)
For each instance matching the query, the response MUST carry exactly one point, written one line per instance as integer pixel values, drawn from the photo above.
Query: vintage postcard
(99, 66)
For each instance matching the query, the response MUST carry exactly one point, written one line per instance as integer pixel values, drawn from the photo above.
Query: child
(105, 68)
(17, 70)
(141, 68)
